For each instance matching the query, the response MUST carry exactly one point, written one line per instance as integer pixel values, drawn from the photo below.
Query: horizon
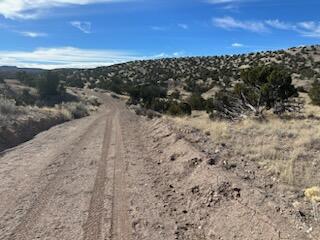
(163, 58)
(94, 33)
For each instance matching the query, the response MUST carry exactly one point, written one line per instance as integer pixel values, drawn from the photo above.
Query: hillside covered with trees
(167, 85)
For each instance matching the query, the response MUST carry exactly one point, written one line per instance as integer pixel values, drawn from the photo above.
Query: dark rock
(212, 161)
(195, 189)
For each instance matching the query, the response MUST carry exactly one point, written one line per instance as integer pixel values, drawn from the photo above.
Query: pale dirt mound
(192, 191)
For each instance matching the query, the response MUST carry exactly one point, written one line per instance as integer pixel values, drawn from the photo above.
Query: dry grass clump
(8, 107)
(8, 110)
(313, 194)
(200, 120)
(73, 110)
(288, 148)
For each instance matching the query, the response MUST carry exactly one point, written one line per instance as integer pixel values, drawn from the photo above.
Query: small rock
(173, 157)
(229, 166)
(195, 189)
(212, 161)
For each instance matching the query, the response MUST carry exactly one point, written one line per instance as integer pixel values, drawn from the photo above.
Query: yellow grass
(289, 149)
(313, 194)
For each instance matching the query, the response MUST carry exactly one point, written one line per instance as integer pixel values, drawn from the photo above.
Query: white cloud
(64, 57)
(159, 28)
(280, 25)
(237, 45)
(30, 9)
(311, 25)
(231, 23)
(309, 29)
(222, 1)
(306, 29)
(70, 57)
(33, 34)
(183, 26)
(178, 54)
(229, 5)
(85, 27)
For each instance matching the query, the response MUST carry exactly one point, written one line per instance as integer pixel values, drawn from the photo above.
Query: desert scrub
(94, 101)
(74, 110)
(288, 149)
(8, 110)
(314, 93)
(8, 107)
(313, 195)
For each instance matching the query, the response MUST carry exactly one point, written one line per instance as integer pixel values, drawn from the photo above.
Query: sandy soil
(118, 176)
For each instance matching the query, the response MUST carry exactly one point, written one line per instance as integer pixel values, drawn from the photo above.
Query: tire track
(92, 227)
(120, 217)
(23, 230)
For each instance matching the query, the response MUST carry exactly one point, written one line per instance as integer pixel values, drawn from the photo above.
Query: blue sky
(89, 33)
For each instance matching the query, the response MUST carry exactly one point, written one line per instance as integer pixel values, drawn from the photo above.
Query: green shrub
(174, 109)
(27, 79)
(196, 102)
(264, 87)
(175, 94)
(185, 108)
(75, 81)
(151, 92)
(179, 109)
(48, 85)
(159, 105)
(314, 92)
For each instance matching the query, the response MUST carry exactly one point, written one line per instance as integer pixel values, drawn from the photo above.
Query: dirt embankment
(193, 189)
(23, 130)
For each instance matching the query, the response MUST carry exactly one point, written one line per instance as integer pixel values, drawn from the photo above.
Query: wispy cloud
(231, 5)
(33, 34)
(183, 26)
(276, 23)
(84, 27)
(309, 29)
(231, 24)
(70, 57)
(306, 29)
(222, 1)
(65, 57)
(159, 28)
(237, 45)
(31, 9)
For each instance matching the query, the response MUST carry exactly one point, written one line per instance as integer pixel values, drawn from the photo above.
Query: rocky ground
(195, 192)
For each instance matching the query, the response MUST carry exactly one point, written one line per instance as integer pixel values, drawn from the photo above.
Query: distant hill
(189, 74)
(11, 71)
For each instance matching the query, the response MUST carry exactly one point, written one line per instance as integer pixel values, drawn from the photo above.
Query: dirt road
(117, 176)
(67, 183)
